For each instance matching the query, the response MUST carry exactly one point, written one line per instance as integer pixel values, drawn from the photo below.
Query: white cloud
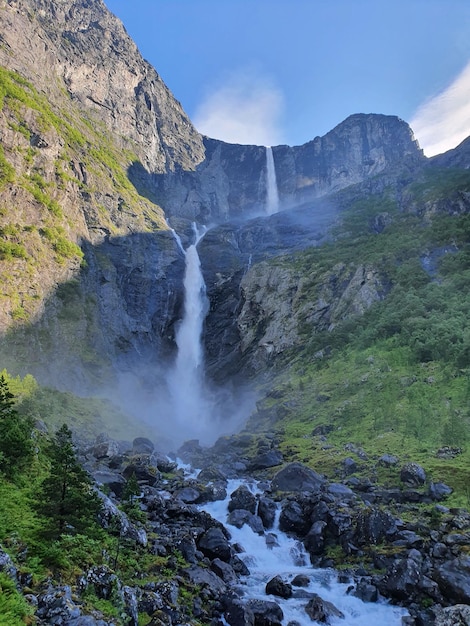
(444, 121)
(245, 109)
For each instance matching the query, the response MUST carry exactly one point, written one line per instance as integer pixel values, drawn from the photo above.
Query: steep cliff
(231, 181)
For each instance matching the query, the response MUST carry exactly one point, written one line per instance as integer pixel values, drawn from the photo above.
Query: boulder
(401, 581)
(453, 578)
(458, 615)
(142, 445)
(239, 517)
(298, 477)
(277, 587)
(224, 571)
(388, 460)
(366, 592)
(266, 613)
(374, 526)
(439, 491)
(242, 498)
(214, 544)
(320, 610)
(314, 541)
(237, 613)
(267, 511)
(293, 519)
(271, 458)
(412, 474)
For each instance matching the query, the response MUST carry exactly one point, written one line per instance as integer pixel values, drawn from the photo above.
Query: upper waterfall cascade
(272, 194)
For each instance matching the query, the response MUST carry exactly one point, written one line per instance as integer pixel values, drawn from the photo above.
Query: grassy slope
(397, 380)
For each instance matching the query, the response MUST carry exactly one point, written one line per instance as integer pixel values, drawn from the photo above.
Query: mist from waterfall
(272, 194)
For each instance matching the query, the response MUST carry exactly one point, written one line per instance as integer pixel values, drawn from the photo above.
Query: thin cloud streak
(444, 121)
(246, 109)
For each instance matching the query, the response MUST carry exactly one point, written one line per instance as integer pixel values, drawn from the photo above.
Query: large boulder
(298, 477)
(458, 615)
(267, 511)
(413, 474)
(293, 519)
(278, 587)
(266, 613)
(242, 498)
(453, 578)
(214, 544)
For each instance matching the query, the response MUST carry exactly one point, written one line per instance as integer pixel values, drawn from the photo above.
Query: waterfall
(272, 195)
(190, 404)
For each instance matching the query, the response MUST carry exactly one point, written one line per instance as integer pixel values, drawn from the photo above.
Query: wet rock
(267, 511)
(266, 613)
(188, 494)
(211, 474)
(366, 592)
(240, 517)
(278, 587)
(413, 474)
(214, 544)
(301, 580)
(242, 498)
(297, 477)
(320, 610)
(293, 520)
(163, 463)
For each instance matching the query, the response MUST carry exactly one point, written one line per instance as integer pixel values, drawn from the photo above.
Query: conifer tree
(16, 446)
(66, 497)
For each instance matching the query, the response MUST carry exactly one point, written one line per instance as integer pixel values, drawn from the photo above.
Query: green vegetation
(66, 498)
(14, 610)
(16, 447)
(397, 378)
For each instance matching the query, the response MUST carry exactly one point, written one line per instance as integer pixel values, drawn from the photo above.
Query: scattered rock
(413, 474)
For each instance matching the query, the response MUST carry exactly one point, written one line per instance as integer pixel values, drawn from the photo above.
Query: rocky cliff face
(80, 46)
(231, 181)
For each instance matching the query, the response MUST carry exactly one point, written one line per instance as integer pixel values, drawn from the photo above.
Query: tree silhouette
(66, 496)
(16, 446)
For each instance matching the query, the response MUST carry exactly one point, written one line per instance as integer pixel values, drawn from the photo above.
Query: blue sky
(285, 71)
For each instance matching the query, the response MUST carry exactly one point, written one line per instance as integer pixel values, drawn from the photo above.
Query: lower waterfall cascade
(286, 557)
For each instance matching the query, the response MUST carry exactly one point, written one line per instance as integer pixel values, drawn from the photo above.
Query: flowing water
(272, 195)
(288, 559)
(190, 401)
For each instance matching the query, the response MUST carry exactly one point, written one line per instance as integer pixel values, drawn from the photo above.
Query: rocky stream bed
(389, 569)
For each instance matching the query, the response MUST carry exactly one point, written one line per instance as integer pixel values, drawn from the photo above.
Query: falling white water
(186, 383)
(287, 559)
(272, 195)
